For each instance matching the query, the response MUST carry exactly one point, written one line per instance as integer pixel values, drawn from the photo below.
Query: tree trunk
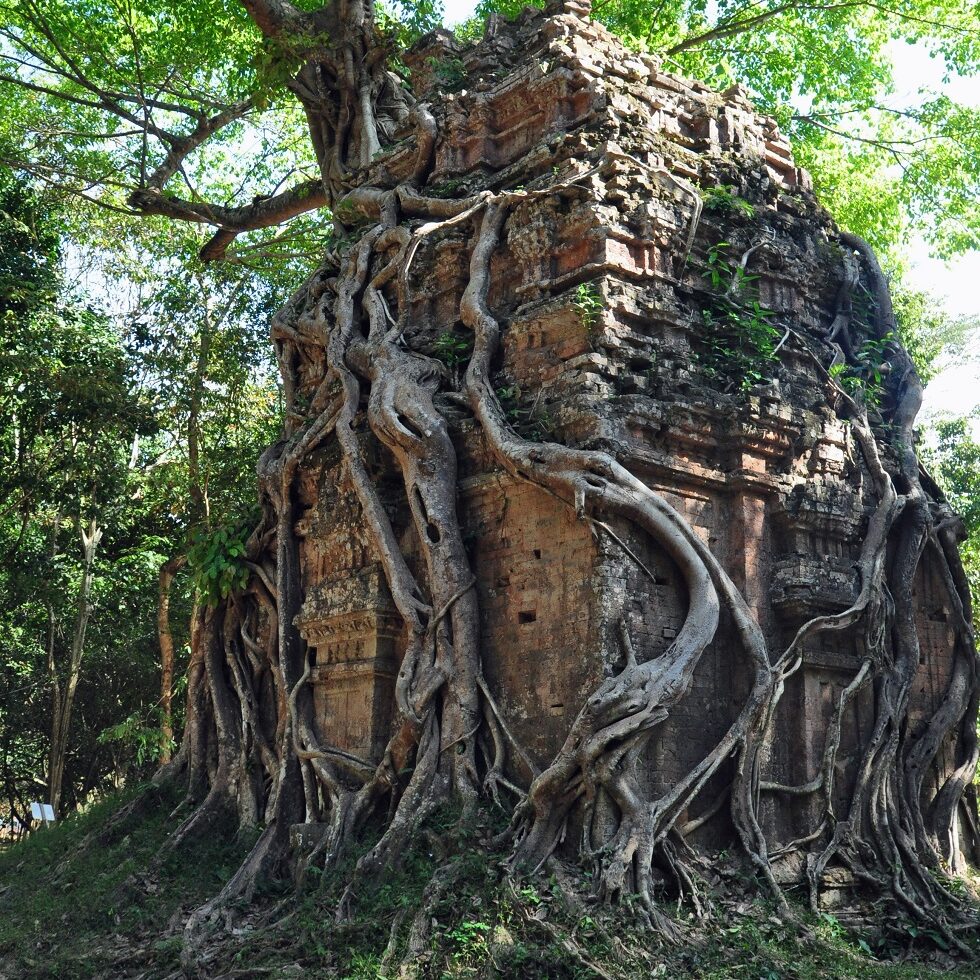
(54, 682)
(167, 572)
(198, 490)
(62, 707)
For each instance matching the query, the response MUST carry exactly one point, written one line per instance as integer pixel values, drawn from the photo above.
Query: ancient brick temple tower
(605, 296)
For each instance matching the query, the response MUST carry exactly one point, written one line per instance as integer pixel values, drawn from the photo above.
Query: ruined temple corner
(679, 204)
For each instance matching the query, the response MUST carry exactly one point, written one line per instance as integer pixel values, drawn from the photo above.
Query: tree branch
(231, 221)
(883, 144)
(272, 17)
(737, 24)
(180, 147)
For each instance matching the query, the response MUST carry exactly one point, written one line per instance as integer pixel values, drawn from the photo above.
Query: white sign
(43, 812)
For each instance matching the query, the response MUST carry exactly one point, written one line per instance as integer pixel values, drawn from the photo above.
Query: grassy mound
(80, 901)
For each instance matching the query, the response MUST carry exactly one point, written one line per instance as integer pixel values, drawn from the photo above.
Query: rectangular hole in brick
(537, 552)
(527, 616)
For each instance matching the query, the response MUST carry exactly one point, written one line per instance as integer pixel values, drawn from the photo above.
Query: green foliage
(446, 188)
(147, 741)
(509, 398)
(470, 936)
(73, 74)
(216, 558)
(470, 30)
(453, 349)
(277, 61)
(67, 391)
(588, 304)
(928, 332)
(450, 73)
(31, 249)
(738, 340)
(408, 20)
(724, 200)
(864, 378)
(73, 415)
(952, 456)
(509, 8)
(526, 419)
(97, 414)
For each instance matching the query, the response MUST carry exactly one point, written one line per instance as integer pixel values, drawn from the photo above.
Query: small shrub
(739, 338)
(864, 380)
(452, 348)
(216, 558)
(449, 73)
(588, 303)
(446, 188)
(723, 199)
(142, 733)
(533, 425)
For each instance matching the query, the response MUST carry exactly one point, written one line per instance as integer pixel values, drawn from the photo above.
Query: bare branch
(884, 144)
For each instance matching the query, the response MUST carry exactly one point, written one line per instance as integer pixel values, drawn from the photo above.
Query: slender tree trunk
(211, 321)
(54, 683)
(61, 715)
(198, 492)
(167, 572)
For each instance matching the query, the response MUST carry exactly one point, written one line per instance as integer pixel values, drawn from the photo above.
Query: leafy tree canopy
(160, 107)
(954, 461)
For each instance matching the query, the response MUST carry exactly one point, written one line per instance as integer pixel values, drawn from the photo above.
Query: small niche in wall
(527, 616)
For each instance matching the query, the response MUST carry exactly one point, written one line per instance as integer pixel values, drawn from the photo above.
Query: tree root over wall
(250, 744)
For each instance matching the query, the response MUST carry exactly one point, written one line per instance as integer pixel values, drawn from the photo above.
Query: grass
(68, 910)
(73, 910)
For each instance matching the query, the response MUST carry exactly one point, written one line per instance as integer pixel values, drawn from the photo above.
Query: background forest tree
(131, 117)
(143, 413)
